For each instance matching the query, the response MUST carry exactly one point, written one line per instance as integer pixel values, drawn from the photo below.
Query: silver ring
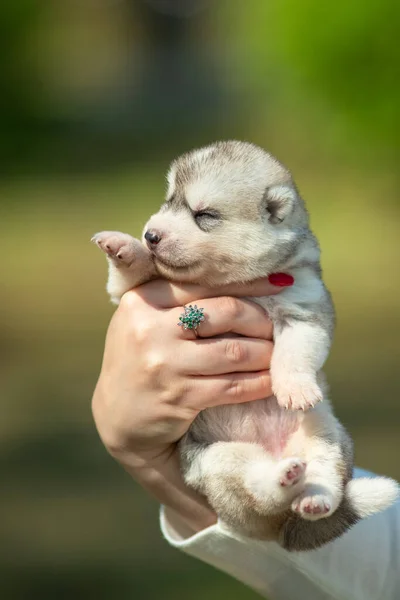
(191, 318)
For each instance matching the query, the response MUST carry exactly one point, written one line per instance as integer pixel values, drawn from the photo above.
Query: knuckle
(230, 306)
(129, 301)
(154, 364)
(235, 351)
(142, 330)
(240, 389)
(235, 388)
(171, 396)
(138, 322)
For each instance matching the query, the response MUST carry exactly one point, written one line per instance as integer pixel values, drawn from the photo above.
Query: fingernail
(281, 279)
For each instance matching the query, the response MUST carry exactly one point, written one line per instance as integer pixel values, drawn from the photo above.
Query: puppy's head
(232, 214)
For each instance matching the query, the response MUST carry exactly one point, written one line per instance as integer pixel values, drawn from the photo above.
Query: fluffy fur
(270, 470)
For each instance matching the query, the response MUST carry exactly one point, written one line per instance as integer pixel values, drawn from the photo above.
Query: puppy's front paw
(298, 392)
(313, 506)
(121, 248)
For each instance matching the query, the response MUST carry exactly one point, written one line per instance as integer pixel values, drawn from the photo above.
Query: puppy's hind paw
(298, 392)
(313, 506)
(291, 471)
(121, 248)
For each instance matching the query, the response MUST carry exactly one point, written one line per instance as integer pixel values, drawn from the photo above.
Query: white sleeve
(364, 564)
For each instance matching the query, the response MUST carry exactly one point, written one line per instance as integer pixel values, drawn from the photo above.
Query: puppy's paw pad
(118, 246)
(298, 393)
(313, 507)
(291, 471)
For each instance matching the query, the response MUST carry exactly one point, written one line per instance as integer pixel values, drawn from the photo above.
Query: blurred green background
(97, 97)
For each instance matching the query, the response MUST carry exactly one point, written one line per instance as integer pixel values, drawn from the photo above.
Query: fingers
(233, 315)
(233, 388)
(216, 356)
(223, 315)
(229, 315)
(165, 294)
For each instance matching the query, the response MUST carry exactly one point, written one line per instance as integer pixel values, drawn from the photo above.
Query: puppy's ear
(279, 201)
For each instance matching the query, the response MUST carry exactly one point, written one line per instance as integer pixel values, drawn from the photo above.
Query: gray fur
(269, 469)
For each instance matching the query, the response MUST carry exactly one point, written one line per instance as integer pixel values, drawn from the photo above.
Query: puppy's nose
(152, 237)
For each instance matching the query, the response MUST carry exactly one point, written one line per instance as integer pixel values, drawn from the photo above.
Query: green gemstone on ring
(192, 317)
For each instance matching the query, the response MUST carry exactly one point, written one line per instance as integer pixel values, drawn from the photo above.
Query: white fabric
(364, 564)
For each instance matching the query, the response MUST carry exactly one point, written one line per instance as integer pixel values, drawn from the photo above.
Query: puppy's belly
(260, 422)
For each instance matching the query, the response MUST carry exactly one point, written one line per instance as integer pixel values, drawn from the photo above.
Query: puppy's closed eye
(206, 219)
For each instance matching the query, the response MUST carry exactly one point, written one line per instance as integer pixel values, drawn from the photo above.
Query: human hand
(156, 377)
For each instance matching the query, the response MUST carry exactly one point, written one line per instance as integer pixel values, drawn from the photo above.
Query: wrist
(164, 481)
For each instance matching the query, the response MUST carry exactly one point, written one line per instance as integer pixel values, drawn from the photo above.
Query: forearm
(165, 483)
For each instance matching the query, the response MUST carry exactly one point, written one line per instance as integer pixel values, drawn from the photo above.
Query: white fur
(239, 455)
(369, 495)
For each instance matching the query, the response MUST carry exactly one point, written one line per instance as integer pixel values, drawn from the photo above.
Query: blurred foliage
(344, 53)
(97, 97)
(16, 22)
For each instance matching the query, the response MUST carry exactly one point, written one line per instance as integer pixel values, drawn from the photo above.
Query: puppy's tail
(363, 497)
(369, 495)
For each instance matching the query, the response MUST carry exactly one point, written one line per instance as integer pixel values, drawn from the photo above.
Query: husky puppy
(278, 468)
